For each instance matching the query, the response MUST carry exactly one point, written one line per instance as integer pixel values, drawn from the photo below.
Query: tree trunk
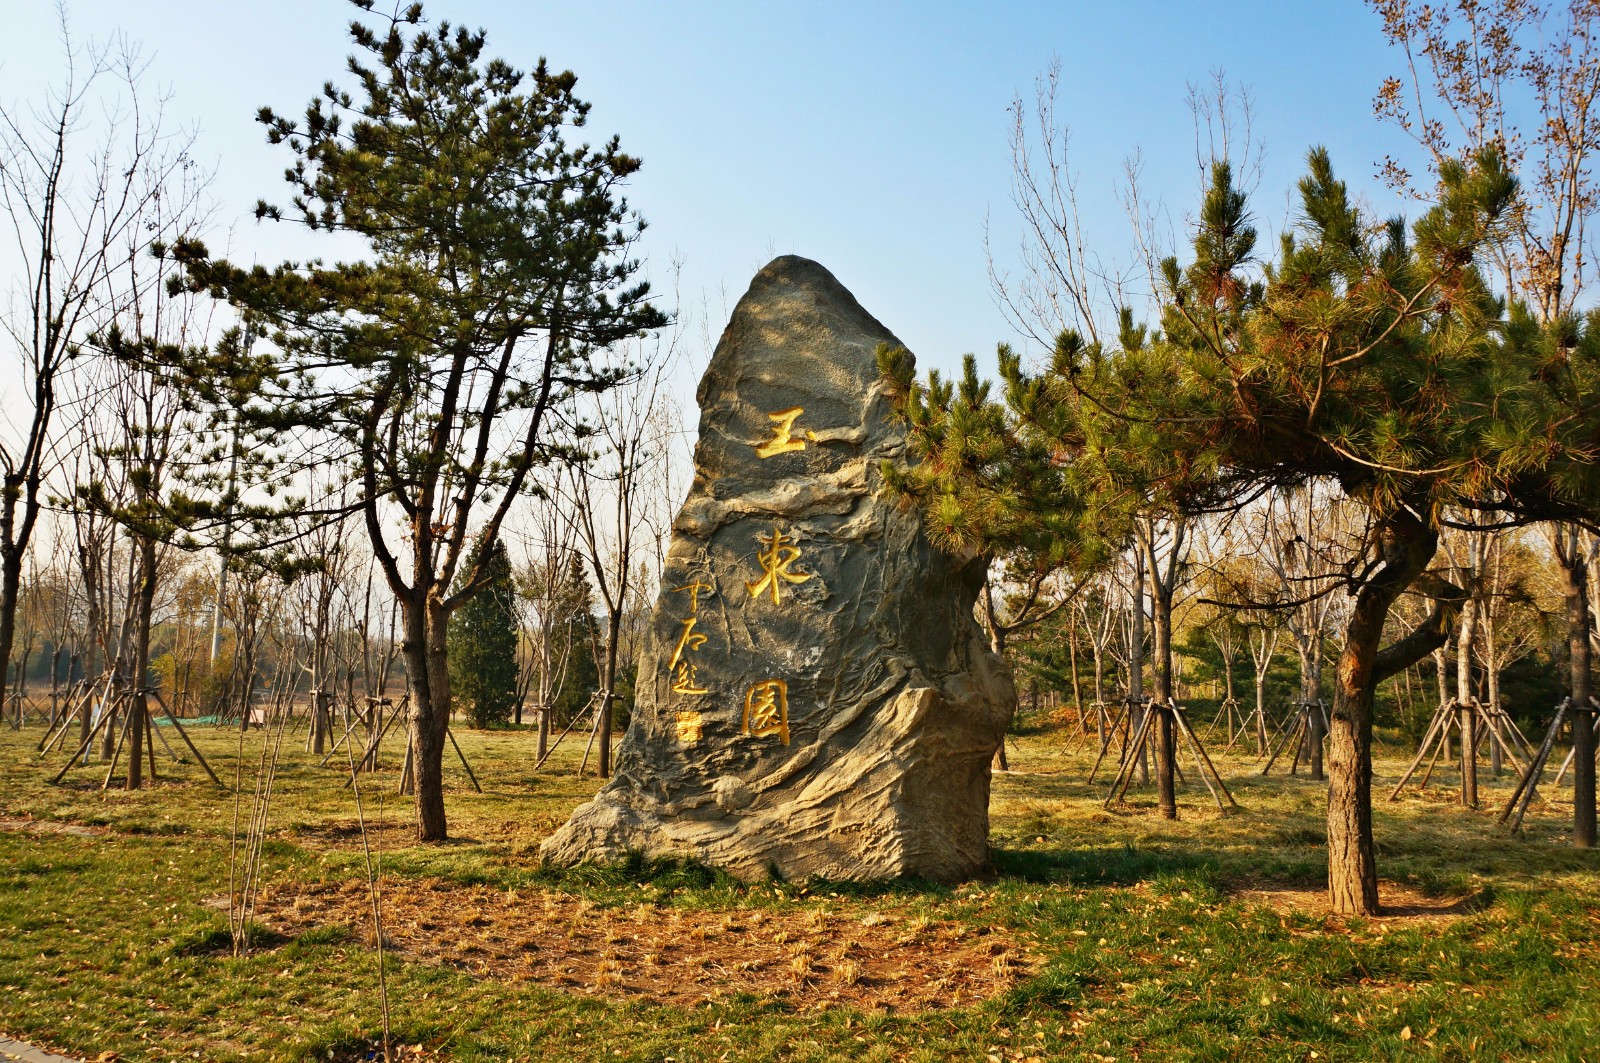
(55, 683)
(1072, 662)
(1465, 717)
(1099, 689)
(1575, 566)
(1306, 637)
(428, 679)
(10, 590)
(318, 726)
(1310, 684)
(1136, 664)
(139, 662)
(1352, 866)
(1441, 667)
(609, 690)
(997, 646)
(1407, 545)
(1166, 759)
(1261, 712)
(1491, 676)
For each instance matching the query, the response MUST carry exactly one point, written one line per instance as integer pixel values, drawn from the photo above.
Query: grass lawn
(1100, 934)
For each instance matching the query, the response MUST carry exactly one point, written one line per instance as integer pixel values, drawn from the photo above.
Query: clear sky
(869, 136)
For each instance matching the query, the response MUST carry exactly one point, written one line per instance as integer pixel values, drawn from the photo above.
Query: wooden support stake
(1204, 759)
(185, 736)
(1116, 721)
(1125, 772)
(1284, 738)
(83, 748)
(570, 725)
(1440, 716)
(1438, 751)
(452, 736)
(116, 753)
(150, 744)
(1522, 797)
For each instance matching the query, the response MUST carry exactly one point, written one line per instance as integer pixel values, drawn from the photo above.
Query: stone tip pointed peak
(797, 314)
(795, 269)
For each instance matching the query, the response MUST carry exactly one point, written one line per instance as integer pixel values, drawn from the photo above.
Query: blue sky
(869, 136)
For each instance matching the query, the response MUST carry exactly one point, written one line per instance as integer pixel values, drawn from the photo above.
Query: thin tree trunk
(139, 663)
(1099, 689)
(1261, 713)
(1136, 663)
(1465, 717)
(609, 690)
(997, 646)
(1575, 567)
(1161, 615)
(55, 683)
(10, 590)
(1441, 667)
(1491, 676)
(1310, 691)
(1072, 658)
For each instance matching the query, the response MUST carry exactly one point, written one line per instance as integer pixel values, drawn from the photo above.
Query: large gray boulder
(814, 696)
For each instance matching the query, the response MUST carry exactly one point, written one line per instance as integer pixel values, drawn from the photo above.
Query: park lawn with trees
(1105, 933)
(440, 474)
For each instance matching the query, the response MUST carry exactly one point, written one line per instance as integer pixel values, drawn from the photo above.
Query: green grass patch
(1197, 939)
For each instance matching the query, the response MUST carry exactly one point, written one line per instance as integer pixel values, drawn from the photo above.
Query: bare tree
(1510, 624)
(1163, 546)
(1099, 619)
(320, 582)
(76, 191)
(629, 447)
(549, 550)
(1305, 544)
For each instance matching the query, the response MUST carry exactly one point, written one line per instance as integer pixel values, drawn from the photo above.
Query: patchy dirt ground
(808, 958)
(50, 826)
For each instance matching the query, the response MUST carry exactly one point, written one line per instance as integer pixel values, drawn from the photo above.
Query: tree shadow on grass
(1108, 865)
(667, 875)
(1114, 865)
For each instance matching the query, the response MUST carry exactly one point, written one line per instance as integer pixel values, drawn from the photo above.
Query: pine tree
(1365, 357)
(495, 267)
(579, 634)
(483, 641)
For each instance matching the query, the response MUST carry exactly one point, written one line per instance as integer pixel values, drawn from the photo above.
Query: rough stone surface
(895, 706)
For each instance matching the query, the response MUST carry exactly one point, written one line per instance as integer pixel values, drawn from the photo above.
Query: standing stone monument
(814, 696)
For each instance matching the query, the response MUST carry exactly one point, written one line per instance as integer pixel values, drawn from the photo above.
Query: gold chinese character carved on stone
(694, 587)
(691, 728)
(686, 679)
(766, 709)
(778, 554)
(683, 671)
(783, 437)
